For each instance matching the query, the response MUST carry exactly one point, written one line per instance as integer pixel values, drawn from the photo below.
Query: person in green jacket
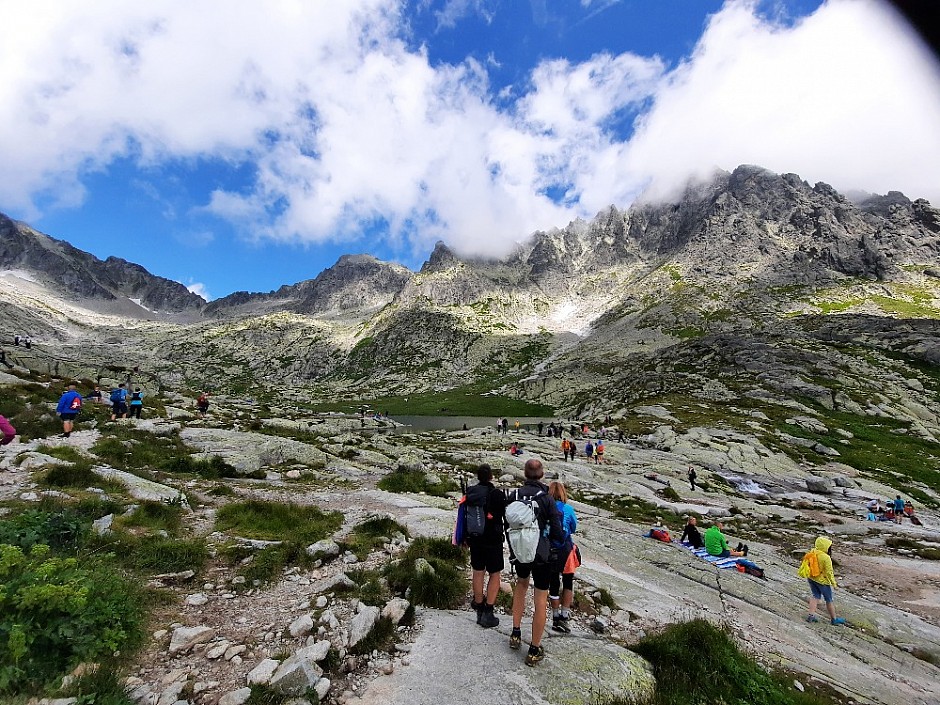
(821, 585)
(717, 545)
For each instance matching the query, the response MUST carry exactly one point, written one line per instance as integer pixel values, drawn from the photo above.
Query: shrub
(63, 529)
(55, 613)
(373, 590)
(268, 563)
(443, 587)
(156, 516)
(157, 554)
(99, 686)
(410, 480)
(719, 672)
(209, 468)
(277, 521)
(670, 494)
(371, 534)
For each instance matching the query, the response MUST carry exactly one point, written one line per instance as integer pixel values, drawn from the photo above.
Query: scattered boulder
(236, 697)
(301, 626)
(818, 485)
(395, 609)
(185, 638)
(102, 526)
(362, 623)
(298, 673)
(263, 672)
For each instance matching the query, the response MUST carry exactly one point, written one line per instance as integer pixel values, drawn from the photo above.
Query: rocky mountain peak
(441, 258)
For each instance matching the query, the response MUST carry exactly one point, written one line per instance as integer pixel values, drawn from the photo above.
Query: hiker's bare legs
(567, 597)
(539, 617)
(492, 589)
(477, 583)
(813, 602)
(518, 601)
(831, 609)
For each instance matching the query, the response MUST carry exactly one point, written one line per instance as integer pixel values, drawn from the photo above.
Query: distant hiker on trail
(540, 427)
(505, 426)
(28, 342)
(6, 428)
(70, 404)
(3, 360)
(692, 477)
(691, 535)
(551, 430)
(817, 569)
(137, 403)
(619, 435)
(16, 340)
(565, 448)
(717, 545)
(532, 522)
(202, 404)
(515, 449)
(573, 430)
(94, 395)
(599, 449)
(898, 507)
(484, 507)
(564, 564)
(118, 402)
(589, 450)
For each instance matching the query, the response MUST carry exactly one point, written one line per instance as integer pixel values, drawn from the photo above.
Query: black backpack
(475, 510)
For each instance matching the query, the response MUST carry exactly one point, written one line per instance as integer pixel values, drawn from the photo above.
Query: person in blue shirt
(561, 587)
(137, 403)
(70, 404)
(898, 509)
(119, 402)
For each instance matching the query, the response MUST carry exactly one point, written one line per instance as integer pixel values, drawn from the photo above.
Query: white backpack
(523, 532)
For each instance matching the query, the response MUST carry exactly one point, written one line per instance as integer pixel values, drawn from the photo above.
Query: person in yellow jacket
(821, 579)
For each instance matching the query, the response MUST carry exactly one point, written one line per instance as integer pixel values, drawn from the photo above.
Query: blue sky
(240, 146)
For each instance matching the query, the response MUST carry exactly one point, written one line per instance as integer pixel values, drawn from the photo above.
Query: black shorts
(118, 407)
(70, 416)
(541, 574)
(488, 557)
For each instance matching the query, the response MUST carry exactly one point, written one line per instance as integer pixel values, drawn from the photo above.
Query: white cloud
(845, 96)
(199, 289)
(346, 126)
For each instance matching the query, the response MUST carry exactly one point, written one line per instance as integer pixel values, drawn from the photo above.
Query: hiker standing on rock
(561, 588)
(532, 522)
(692, 477)
(137, 403)
(118, 402)
(484, 507)
(817, 569)
(70, 404)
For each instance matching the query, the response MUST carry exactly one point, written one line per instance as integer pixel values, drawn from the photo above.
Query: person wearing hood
(821, 578)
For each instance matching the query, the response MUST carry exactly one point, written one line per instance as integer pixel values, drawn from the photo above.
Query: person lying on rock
(817, 569)
(717, 545)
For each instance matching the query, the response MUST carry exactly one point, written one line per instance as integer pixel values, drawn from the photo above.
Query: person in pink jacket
(6, 428)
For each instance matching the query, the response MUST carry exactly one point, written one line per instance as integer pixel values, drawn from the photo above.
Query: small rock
(600, 624)
(362, 624)
(185, 638)
(322, 601)
(217, 650)
(262, 673)
(301, 626)
(236, 697)
(197, 599)
(234, 651)
(326, 548)
(395, 609)
(322, 688)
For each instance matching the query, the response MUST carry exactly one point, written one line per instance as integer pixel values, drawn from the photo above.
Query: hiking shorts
(70, 416)
(119, 407)
(541, 574)
(488, 557)
(820, 591)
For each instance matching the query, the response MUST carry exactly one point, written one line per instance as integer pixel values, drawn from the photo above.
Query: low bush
(56, 612)
(52, 524)
(718, 673)
(269, 563)
(99, 686)
(444, 586)
(155, 554)
(212, 468)
(277, 521)
(410, 480)
(371, 534)
(670, 494)
(373, 589)
(155, 516)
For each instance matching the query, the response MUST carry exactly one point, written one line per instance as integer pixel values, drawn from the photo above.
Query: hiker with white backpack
(532, 523)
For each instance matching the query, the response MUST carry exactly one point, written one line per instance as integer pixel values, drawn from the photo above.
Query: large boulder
(578, 669)
(298, 673)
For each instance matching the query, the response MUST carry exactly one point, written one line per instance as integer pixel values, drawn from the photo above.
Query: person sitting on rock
(717, 545)
(514, 449)
(691, 535)
(822, 584)
(6, 428)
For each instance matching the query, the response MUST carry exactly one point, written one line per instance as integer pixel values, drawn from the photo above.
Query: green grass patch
(373, 589)
(631, 508)
(99, 686)
(931, 553)
(717, 673)
(444, 586)
(277, 521)
(155, 554)
(155, 516)
(372, 534)
(269, 563)
(409, 480)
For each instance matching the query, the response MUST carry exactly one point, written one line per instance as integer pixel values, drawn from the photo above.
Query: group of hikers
(592, 450)
(558, 430)
(122, 402)
(892, 510)
(538, 523)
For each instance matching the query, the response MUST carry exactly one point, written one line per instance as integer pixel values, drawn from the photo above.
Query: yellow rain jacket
(827, 576)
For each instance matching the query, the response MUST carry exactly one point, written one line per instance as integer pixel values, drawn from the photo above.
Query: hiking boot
(536, 654)
(812, 618)
(559, 624)
(486, 618)
(478, 608)
(838, 621)
(515, 639)
(745, 549)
